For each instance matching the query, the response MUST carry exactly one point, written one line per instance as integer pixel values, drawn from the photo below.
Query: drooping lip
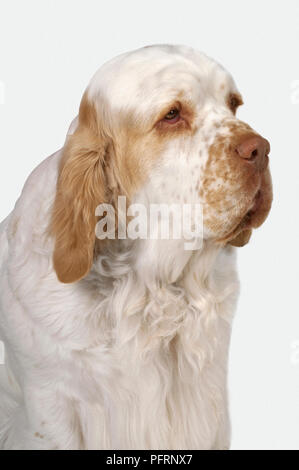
(257, 202)
(256, 211)
(247, 219)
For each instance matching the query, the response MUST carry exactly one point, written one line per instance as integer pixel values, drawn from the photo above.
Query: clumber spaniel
(123, 343)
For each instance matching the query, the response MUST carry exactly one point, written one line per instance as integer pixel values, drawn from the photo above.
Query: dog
(122, 343)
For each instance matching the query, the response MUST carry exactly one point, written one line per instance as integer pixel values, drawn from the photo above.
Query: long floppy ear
(241, 239)
(80, 189)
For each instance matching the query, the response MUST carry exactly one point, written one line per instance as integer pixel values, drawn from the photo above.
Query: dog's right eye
(172, 116)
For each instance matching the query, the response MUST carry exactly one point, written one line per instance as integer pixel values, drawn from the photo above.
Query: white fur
(135, 355)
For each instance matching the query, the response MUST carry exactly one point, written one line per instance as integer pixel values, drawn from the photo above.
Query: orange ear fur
(80, 189)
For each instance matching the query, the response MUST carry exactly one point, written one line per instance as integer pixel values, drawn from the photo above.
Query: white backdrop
(48, 52)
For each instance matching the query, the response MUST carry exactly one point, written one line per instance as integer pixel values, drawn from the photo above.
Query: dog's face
(161, 121)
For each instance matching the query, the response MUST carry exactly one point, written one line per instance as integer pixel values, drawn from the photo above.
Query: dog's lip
(246, 222)
(257, 202)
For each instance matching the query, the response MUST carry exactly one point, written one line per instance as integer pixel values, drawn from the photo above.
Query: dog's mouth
(256, 204)
(255, 215)
(248, 219)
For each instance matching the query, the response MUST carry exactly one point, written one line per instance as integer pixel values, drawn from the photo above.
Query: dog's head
(162, 120)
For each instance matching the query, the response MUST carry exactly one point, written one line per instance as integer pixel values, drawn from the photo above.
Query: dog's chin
(241, 239)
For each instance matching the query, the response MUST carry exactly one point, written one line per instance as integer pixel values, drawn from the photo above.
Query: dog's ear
(80, 189)
(241, 239)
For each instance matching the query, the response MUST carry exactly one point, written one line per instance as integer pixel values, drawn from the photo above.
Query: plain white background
(48, 52)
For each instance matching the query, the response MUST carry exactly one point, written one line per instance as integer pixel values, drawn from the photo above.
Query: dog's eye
(172, 116)
(234, 101)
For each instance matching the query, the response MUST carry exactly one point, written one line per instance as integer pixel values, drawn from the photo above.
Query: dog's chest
(167, 391)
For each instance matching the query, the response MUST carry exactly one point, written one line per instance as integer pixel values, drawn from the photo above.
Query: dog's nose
(254, 150)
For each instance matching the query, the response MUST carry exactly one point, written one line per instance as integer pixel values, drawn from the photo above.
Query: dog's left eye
(233, 102)
(172, 116)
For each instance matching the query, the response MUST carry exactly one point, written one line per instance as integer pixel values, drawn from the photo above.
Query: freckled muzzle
(237, 191)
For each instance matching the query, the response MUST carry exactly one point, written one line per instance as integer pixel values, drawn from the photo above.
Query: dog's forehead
(156, 71)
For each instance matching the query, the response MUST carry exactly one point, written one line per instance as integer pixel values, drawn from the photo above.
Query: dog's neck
(151, 304)
(150, 268)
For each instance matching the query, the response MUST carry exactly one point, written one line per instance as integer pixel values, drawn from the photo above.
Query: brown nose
(254, 150)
